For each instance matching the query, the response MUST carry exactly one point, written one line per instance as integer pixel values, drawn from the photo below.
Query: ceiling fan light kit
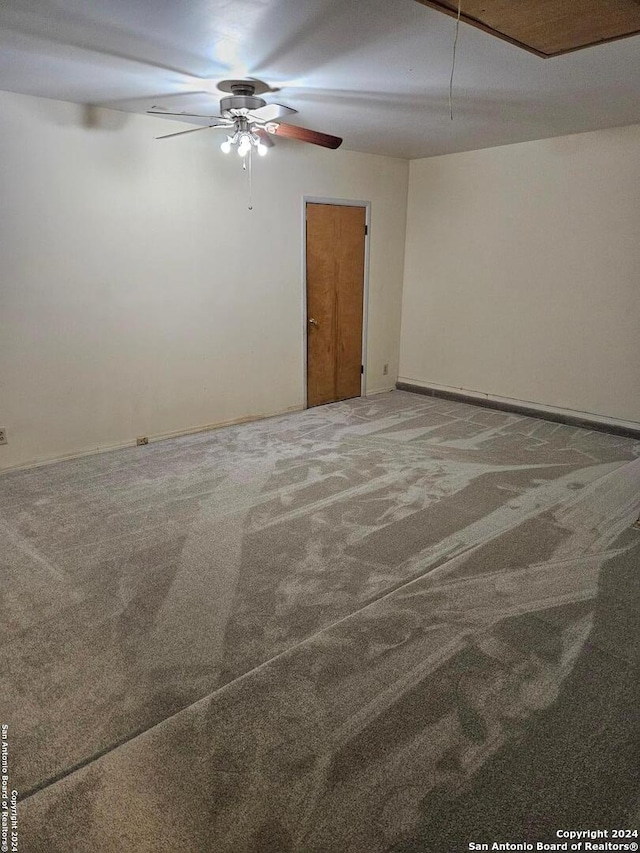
(244, 141)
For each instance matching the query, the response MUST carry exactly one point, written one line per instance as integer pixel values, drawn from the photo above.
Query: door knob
(313, 322)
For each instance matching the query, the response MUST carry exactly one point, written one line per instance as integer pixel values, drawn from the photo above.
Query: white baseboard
(160, 436)
(373, 391)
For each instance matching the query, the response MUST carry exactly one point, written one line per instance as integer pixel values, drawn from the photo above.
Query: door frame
(311, 199)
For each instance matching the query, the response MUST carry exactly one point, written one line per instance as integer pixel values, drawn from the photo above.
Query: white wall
(522, 272)
(139, 296)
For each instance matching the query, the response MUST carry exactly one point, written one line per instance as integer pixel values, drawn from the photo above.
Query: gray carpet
(394, 624)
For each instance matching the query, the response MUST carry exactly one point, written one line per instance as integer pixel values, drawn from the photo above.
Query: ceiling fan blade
(185, 115)
(264, 137)
(304, 134)
(193, 130)
(272, 112)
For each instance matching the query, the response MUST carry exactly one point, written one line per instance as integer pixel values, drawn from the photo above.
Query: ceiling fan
(250, 121)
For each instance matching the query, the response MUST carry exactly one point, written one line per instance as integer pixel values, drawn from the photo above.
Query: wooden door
(335, 292)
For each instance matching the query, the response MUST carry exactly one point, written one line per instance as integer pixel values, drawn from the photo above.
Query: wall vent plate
(143, 439)
(3, 435)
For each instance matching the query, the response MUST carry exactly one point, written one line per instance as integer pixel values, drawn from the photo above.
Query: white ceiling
(375, 72)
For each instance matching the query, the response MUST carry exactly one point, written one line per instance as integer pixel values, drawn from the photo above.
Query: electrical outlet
(3, 435)
(385, 369)
(142, 440)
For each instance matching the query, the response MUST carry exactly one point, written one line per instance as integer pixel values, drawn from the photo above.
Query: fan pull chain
(248, 169)
(453, 61)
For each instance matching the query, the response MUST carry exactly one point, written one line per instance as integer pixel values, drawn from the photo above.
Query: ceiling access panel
(548, 27)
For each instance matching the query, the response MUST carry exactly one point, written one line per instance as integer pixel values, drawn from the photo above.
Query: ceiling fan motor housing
(240, 102)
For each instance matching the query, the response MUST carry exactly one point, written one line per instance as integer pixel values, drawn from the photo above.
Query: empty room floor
(389, 624)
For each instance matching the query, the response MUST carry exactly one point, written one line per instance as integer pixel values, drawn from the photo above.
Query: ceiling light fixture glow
(243, 142)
